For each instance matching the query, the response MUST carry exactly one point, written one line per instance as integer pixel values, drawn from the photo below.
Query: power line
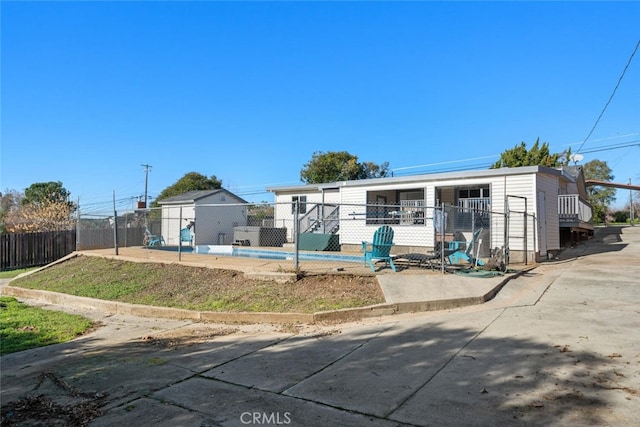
(635, 143)
(611, 97)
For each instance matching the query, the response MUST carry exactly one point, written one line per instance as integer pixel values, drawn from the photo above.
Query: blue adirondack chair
(152, 239)
(380, 248)
(186, 236)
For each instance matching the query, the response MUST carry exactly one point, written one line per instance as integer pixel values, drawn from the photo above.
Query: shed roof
(196, 195)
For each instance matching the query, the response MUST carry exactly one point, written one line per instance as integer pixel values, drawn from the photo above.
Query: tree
(52, 216)
(44, 206)
(45, 210)
(43, 193)
(189, 182)
(600, 197)
(258, 213)
(538, 155)
(339, 166)
(10, 201)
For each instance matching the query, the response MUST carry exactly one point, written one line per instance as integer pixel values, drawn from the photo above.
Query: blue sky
(248, 91)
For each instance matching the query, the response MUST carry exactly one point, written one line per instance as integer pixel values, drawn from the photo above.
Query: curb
(337, 316)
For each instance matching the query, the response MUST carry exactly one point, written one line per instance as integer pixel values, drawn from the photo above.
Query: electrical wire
(610, 98)
(635, 143)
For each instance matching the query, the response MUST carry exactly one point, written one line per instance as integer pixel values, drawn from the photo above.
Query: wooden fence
(23, 250)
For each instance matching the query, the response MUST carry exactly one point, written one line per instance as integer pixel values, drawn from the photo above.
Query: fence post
(534, 224)
(526, 240)
(507, 219)
(442, 237)
(115, 224)
(179, 236)
(296, 234)
(78, 224)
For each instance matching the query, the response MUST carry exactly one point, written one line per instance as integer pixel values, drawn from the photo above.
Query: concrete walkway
(559, 345)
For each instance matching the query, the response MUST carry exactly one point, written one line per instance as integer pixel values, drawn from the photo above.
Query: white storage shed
(210, 216)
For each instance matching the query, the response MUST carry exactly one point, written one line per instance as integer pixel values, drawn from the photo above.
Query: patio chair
(186, 236)
(450, 250)
(152, 239)
(465, 251)
(380, 248)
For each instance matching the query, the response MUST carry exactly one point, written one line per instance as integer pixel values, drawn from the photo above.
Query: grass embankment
(23, 327)
(204, 289)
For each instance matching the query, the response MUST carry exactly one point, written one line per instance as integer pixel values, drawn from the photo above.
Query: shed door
(542, 224)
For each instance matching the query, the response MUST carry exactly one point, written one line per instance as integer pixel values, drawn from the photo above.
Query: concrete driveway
(557, 346)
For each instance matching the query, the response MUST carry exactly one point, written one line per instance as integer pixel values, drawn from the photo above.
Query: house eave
(422, 178)
(188, 199)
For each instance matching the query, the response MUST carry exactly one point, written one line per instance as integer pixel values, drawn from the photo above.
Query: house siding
(520, 186)
(217, 229)
(551, 186)
(214, 216)
(509, 188)
(283, 216)
(171, 224)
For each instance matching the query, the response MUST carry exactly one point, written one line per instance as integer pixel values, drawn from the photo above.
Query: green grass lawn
(23, 327)
(13, 273)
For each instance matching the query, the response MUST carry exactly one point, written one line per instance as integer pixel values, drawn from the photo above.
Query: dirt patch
(186, 337)
(69, 407)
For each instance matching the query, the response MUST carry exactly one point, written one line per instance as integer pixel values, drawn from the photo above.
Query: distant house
(557, 198)
(210, 216)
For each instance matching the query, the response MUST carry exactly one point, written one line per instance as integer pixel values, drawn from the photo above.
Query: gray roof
(195, 195)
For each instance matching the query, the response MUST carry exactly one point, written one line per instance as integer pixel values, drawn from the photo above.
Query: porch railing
(478, 204)
(322, 218)
(573, 208)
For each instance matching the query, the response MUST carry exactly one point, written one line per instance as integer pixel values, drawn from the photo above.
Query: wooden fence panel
(23, 250)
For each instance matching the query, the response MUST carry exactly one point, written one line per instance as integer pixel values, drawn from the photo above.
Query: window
(473, 202)
(474, 192)
(302, 204)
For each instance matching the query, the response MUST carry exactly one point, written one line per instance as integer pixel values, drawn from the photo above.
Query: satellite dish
(575, 158)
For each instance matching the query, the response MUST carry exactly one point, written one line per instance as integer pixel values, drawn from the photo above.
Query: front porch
(574, 212)
(575, 216)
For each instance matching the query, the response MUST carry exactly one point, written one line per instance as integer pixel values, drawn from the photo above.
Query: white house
(210, 215)
(553, 199)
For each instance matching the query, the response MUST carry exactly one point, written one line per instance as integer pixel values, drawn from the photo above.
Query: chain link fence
(304, 236)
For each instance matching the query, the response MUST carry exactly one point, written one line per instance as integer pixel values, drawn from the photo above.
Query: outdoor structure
(522, 208)
(210, 215)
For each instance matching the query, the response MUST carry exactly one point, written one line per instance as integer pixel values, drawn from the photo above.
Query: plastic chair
(186, 236)
(152, 239)
(380, 248)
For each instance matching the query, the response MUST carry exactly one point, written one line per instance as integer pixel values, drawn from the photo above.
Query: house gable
(203, 197)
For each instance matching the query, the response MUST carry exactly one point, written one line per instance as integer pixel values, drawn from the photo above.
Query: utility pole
(146, 182)
(631, 210)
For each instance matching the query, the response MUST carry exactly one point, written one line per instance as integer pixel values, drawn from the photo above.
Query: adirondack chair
(380, 248)
(186, 236)
(467, 254)
(152, 239)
